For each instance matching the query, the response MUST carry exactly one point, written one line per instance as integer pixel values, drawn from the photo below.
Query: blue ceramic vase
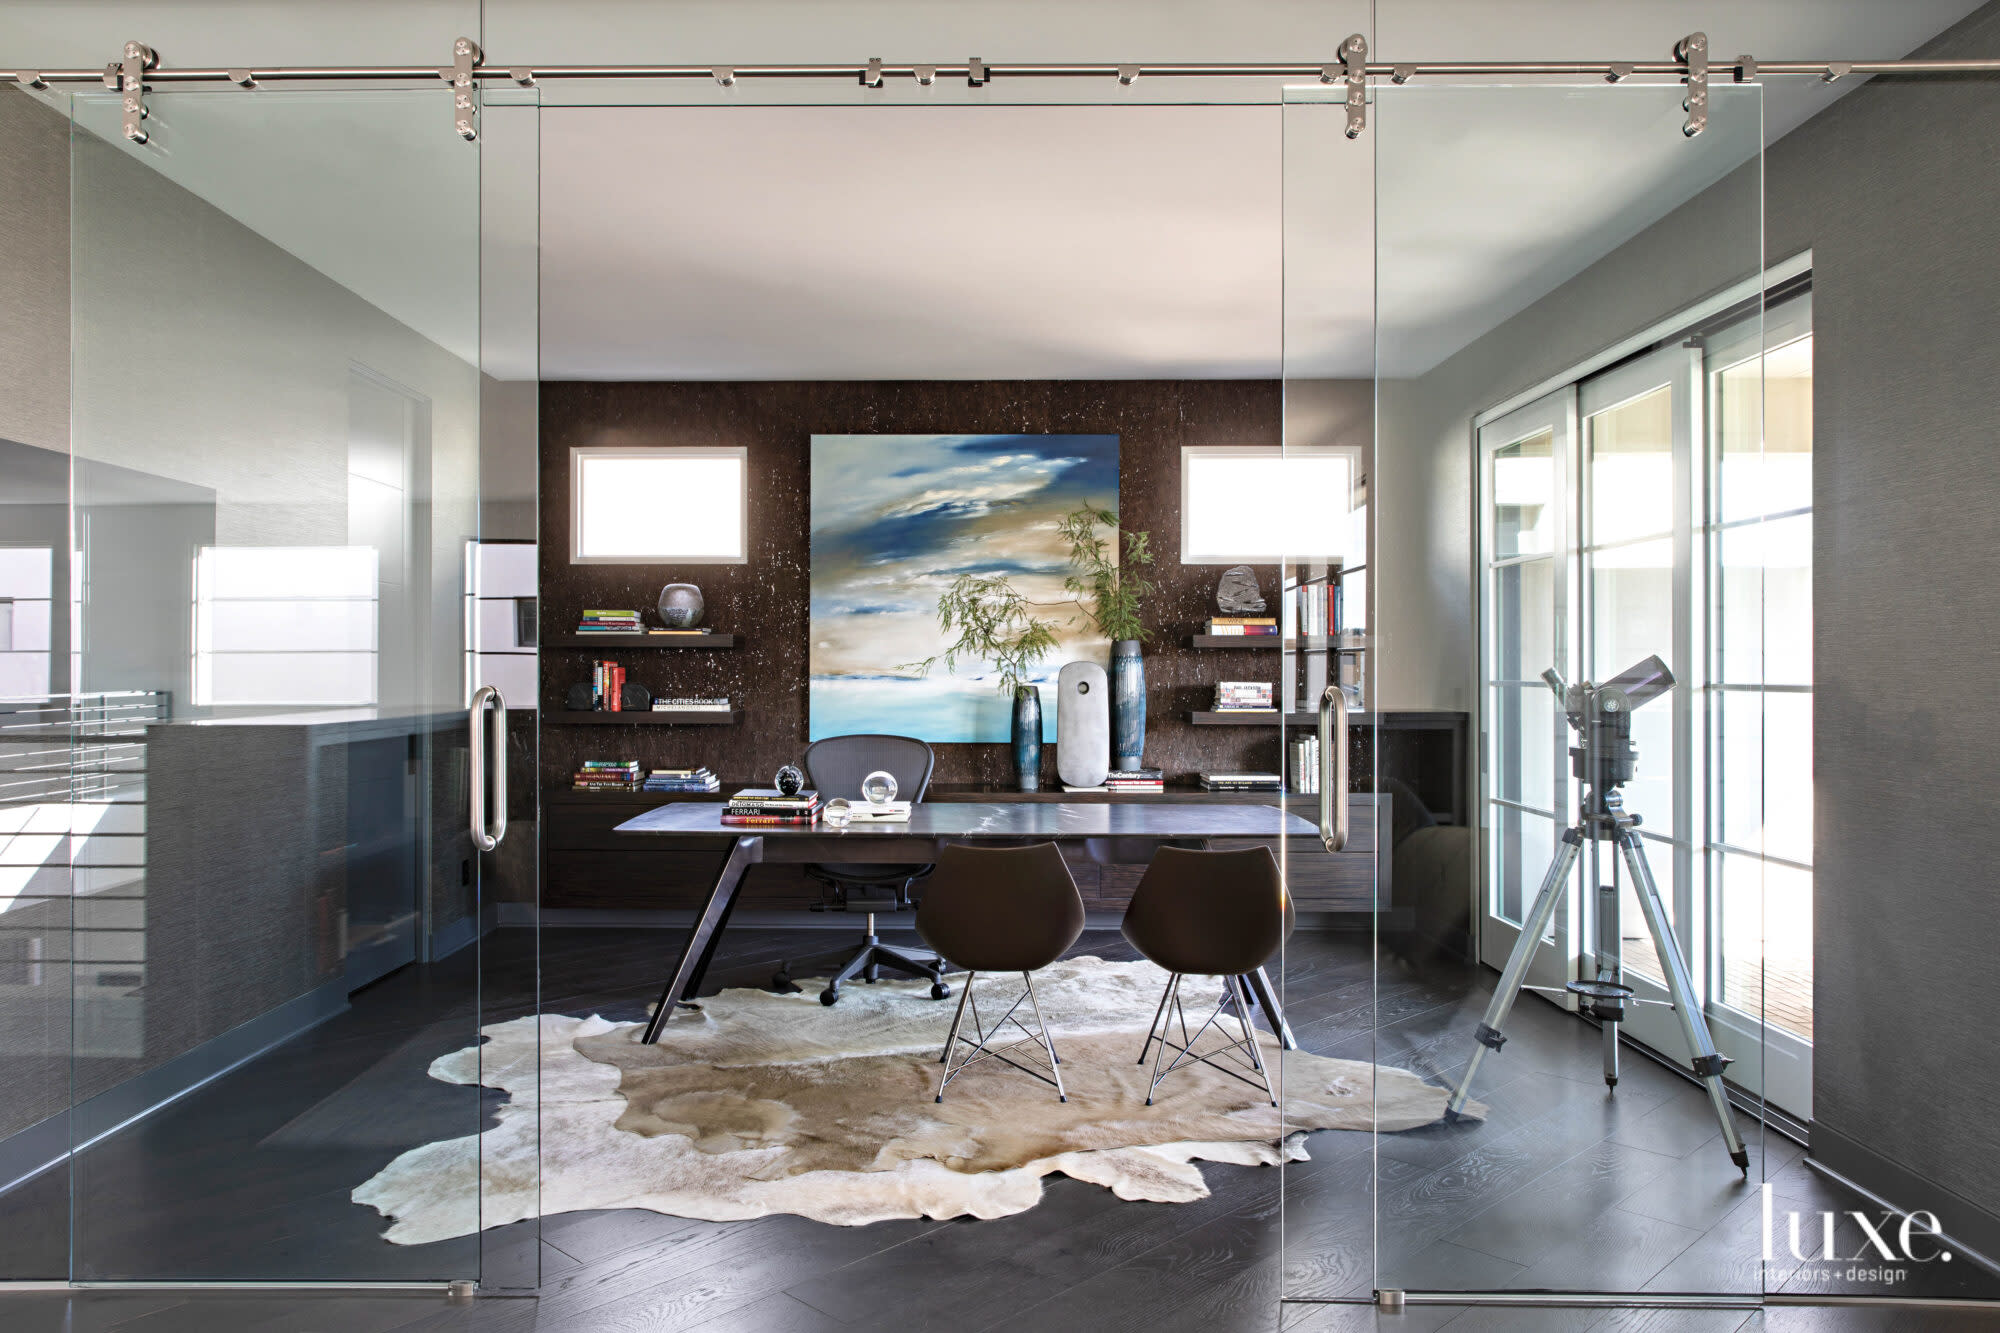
(1128, 706)
(1028, 738)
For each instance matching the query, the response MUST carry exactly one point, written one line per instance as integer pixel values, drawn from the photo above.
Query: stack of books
(1135, 779)
(1244, 626)
(607, 687)
(610, 622)
(683, 633)
(1305, 764)
(1244, 696)
(1242, 782)
(609, 775)
(769, 806)
(1312, 610)
(682, 779)
(691, 704)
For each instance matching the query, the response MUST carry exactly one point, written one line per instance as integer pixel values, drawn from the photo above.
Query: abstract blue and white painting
(895, 518)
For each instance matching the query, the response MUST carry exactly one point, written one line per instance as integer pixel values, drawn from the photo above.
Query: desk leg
(700, 946)
(1267, 1000)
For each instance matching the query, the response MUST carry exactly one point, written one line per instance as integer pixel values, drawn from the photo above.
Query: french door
(1526, 459)
(1639, 511)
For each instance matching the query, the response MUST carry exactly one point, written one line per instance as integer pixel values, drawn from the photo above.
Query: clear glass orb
(879, 787)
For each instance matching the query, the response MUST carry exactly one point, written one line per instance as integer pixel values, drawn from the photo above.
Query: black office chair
(835, 767)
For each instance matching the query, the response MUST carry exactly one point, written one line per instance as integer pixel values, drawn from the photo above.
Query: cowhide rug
(765, 1103)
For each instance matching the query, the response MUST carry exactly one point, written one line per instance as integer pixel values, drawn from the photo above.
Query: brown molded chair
(1216, 914)
(1000, 909)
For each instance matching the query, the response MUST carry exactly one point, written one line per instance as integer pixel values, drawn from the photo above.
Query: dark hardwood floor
(1560, 1188)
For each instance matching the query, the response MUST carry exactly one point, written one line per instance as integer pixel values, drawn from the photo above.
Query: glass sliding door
(278, 452)
(1530, 242)
(1324, 501)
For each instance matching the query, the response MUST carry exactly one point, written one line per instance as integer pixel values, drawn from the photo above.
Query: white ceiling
(871, 243)
(984, 242)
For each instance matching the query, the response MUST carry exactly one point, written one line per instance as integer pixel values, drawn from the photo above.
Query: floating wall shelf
(636, 718)
(643, 641)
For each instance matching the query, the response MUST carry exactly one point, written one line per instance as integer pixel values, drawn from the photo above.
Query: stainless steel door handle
(1333, 812)
(486, 727)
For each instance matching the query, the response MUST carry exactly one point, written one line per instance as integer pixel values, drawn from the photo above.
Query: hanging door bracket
(465, 58)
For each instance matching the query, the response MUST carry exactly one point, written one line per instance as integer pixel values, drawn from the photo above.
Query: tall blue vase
(1128, 706)
(1028, 737)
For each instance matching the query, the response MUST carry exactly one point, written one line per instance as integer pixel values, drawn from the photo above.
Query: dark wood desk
(1112, 834)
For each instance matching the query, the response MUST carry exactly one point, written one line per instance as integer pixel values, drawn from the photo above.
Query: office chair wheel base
(939, 990)
(829, 997)
(781, 982)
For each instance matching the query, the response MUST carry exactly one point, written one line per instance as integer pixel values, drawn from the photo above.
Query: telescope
(1603, 761)
(1602, 717)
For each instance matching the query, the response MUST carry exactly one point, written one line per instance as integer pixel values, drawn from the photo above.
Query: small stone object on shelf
(680, 606)
(1237, 593)
(789, 780)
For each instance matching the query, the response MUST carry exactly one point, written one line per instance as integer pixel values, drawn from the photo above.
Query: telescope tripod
(1605, 821)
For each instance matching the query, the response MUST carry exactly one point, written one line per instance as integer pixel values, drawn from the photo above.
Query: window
(659, 506)
(285, 625)
(1264, 505)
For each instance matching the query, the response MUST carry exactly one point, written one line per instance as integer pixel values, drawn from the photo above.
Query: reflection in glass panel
(1631, 468)
(26, 580)
(1524, 497)
(285, 625)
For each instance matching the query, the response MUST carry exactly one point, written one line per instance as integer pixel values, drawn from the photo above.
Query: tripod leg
(1610, 967)
(1489, 1036)
(1708, 1064)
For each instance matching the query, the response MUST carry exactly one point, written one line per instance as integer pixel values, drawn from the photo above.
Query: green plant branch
(995, 623)
(1107, 589)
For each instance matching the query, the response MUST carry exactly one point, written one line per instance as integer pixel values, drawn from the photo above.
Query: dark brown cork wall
(764, 601)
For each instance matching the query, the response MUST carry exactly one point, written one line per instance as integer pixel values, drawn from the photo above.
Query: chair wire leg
(1173, 987)
(1241, 1003)
(1147, 1049)
(951, 1042)
(1048, 1041)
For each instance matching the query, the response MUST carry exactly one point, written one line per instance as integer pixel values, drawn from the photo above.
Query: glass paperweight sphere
(879, 787)
(836, 813)
(789, 781)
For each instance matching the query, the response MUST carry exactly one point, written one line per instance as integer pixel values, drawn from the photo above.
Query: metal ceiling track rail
(139, 69)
